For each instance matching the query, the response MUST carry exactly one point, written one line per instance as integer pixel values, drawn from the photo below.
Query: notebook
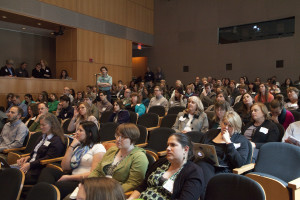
(206, 151)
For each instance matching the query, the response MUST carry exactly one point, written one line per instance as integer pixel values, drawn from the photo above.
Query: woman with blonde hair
(45, 69)
(82, 113)
(193, 118)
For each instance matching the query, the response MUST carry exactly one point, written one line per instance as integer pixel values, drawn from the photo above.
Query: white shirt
(87, 159)
(292, 130)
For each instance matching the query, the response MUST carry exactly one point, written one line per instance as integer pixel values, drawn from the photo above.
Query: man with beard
(14, 131)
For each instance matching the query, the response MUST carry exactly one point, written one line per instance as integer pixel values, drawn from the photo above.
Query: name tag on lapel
(264, 130)
(46, 143)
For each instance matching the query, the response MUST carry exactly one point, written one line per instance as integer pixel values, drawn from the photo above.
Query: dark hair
(266, 93)
(11, 95)
(224, 105)
(2, 108)
(46, 105)
(65, 98)
(91, 131)
(207, 85)
(103, 92)
(103, 67)
(61, 76)
(225, 95)
(54, 96)
(29, 96)
(130, 131)
(102, 188)
(278, 101)
(44, 97)
(34, 109)
(73, 92)
(120, 103)
(184, 140)
(135, 94)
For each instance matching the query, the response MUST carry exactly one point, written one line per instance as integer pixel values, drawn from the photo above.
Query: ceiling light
(39, 24)
(4, 17)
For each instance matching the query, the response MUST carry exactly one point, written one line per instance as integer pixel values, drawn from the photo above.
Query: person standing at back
(104, 82)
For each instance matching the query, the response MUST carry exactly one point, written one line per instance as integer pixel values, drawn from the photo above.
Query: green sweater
(52, 106)
(131, 170)
(35, 127)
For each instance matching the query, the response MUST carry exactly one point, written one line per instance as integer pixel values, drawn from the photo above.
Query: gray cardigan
(199, 122)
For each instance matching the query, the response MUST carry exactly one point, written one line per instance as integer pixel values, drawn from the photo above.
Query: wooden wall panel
(90, 45)
(115, 11)
(67, 4)
(115, 51)
(70, 66)
(90, 7)
(66, 46)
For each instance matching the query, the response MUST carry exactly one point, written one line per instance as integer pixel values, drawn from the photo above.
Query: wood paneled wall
(136, 14)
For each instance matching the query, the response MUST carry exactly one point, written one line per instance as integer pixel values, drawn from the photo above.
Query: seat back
(233, 187)
(11, 183)
(158, 138)
(195, 136)
(105, 116)
(143, 134)
(43, 191)
(32, 142)
(296, 115)
(107, 131)
(168, 120)
(65, 125)
(250, 155)
(175, 110)
(148, 120)
(280, 160)
(152, 157)
(133, 117)
(160, 110)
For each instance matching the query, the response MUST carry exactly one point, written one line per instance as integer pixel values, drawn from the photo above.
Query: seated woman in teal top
(53, 102)
(136, 105)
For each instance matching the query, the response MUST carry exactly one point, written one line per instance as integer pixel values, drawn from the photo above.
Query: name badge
(66, 114)
(46, 143)
(264, 130)
(237, 145)
(171, 102)
(47, 70)
(158, 104)
(6, 70)
(182, 118)
(169, 185)
(103, 109)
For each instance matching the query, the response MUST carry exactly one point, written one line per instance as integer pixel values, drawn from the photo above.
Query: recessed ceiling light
(39, 24)
(4, 17)
(24, 28)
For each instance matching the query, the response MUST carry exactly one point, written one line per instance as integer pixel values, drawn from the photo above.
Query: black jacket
(5, 72)
(260, 138)
(187, 185)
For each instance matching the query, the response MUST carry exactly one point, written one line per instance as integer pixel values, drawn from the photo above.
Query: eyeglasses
(120, 137)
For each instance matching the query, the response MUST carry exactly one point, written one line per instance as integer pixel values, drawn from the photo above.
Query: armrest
(152, 128)
(48, 161)
(55, 167)
(16, 149)
(141, 145)
(294, 184)
(243, 169)
(162, 153)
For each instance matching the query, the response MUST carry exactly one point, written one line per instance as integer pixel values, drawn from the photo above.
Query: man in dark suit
(8, 69)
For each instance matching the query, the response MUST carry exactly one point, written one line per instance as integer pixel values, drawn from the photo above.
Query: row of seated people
(264, 133)
(174, 176)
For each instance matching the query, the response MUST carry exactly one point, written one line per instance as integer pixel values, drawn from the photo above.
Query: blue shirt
(105, 79)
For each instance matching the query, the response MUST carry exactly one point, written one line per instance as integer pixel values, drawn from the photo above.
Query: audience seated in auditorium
(124, 162)
(251, 89)
(89, 90)
(9, 99)
(8, 69)
(178, 98)
(220, 108)
(82, 157)
(46, 70)
(33, 112)
(287, 83)
(193, 118)
(17, 102)
(292, 134)
(14, 131)
(64, 108)
(53, 102)
(190, 91)
(136, 105)
(261, 129)
(64, 75)
(232, 91)
(120, 115)
(81, 113)
(37, 72)
(279, 114)
(22, 71)
(198, 86)
(245, 110)
(145, 97)
(94, 110)
(158, 99)
(100, 188)
(242, 90)
(293, 95)
(263, 95)
(35, 126)
(221, 96)
(3, 117)
(148, 77)
(42, 98)
(207, 96)
(183, 179)
(232, 148)
(49, 145)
